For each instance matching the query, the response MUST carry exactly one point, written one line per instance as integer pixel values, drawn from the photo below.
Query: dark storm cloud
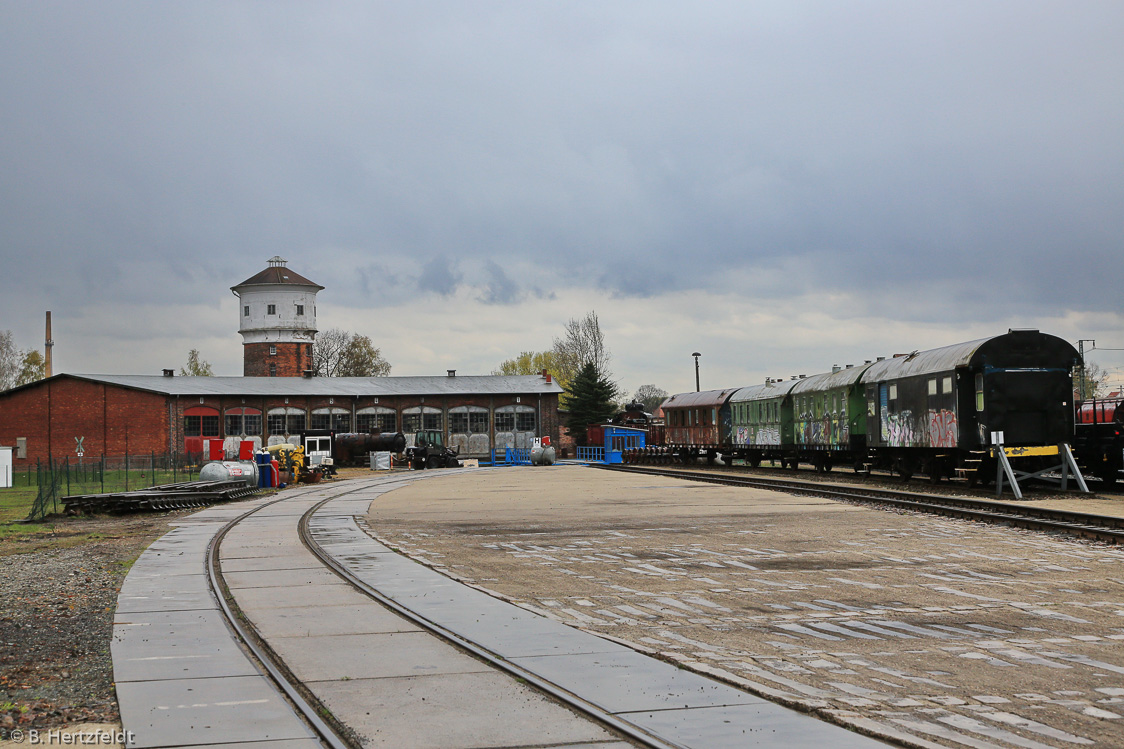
(965, 156)
(439, 276)
(499, 288)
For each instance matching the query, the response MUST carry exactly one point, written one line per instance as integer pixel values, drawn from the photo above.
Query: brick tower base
(291, 359)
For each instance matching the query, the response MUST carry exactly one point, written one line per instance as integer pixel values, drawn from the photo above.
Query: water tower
(277, 313)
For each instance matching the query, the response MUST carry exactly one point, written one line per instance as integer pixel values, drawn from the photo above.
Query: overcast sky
(781, 186)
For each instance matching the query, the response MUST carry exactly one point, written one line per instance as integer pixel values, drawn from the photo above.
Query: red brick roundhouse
(142, 414)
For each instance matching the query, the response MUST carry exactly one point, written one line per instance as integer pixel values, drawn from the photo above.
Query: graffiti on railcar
(829, 430)
(767, 436)
(943, 428)
(898, 429)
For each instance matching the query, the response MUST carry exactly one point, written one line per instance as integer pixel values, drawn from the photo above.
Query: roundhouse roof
(326, 386)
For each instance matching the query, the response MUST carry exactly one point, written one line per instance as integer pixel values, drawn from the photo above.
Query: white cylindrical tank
(230, 470)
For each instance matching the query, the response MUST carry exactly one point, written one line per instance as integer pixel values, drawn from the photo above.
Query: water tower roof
(277, 273)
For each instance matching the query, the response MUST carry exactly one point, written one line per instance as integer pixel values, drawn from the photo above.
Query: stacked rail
(184, 495)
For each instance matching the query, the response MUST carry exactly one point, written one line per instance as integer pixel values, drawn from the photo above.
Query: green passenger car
(761, 420)
(829, 414)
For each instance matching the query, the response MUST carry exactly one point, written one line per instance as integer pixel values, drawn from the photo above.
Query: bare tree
(651, 396)
(196, 367)
(338, 353)
(361, 359)
(582, 343)
(9, 360)
(1092, 382)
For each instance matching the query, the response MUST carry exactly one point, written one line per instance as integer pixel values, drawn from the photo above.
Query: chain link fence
(58, 478)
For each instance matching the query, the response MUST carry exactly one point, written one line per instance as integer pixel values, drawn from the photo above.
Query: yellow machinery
(289, 458)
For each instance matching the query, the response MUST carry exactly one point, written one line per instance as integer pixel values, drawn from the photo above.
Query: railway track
(1098, 527)
(330, 731)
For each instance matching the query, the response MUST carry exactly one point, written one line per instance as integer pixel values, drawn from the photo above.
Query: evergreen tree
(590, 400)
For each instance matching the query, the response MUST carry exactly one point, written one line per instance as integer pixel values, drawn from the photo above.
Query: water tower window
(272, 370)
(271, 309)
(246, 311)
(300, 310)
(273, 351)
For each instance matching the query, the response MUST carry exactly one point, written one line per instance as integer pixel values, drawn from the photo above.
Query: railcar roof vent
(849, 366)
(835, 368)
(169, 373)
(867, 361)
(803, 376)
(1022, 330)
(452, 372)
(881, 358)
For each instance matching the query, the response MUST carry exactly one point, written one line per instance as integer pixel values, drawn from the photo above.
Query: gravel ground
(59, 593)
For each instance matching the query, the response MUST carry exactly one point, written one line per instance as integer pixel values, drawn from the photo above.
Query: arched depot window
(421, 417)
(201, 421)
(285, 420)
(468, 430)
(376, 419)
(243, 422)
(516, 419)
(334, 419)
(468, 420)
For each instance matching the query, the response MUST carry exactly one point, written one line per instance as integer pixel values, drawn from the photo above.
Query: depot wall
(49, 418)
(46, 417)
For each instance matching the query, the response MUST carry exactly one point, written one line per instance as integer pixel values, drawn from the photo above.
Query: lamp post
(696, 355)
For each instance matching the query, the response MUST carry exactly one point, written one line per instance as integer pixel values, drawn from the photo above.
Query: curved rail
(275, 670)
(335, 736)
(566, 698)
(1099, 527)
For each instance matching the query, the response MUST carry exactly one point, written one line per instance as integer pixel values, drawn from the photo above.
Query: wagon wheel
(905, 468)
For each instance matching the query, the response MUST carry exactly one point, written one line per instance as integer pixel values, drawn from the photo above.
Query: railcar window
(893, 392)
(979, 393)
(932, 387)
(946, 385)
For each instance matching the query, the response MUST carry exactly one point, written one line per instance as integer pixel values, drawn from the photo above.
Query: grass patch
(15, 503)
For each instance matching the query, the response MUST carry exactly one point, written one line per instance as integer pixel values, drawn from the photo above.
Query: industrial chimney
(47, 346)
